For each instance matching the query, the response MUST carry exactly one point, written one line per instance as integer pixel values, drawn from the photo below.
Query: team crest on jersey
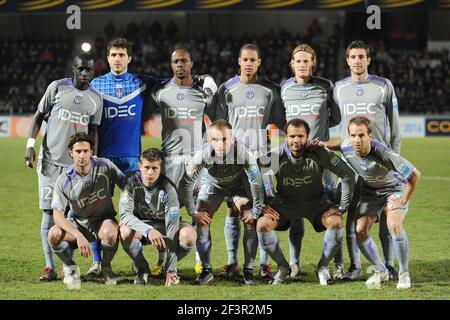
(303, 93)
(77, 99)
(363, 165)
(119, 91)
(250, 94)
(359, 91)
(180, 96)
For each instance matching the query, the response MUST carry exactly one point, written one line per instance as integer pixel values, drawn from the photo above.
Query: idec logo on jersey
(73, 116)
(250, 111)
(181, 113)
(120, 111)
(375, 179)
(303, 110)
(360, 108)
(92, 197)
(297, 182)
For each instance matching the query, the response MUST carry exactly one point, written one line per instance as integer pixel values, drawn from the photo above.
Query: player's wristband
(341, 210)
(172, 271)
(30, 142)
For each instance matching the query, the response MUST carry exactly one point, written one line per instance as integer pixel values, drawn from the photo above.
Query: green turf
(428, 227)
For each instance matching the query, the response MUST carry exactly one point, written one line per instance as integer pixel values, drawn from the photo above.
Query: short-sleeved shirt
(374, 99)
(90, 196)
(381, 169)
(69, 110)
(250, 108)
(300, 179)
(312, 102)
(182, 111)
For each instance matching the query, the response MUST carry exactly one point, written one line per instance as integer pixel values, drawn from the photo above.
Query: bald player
(69, 105)
(373, 97)
(250, 103)
(387, 184)
(309, 97)
(183, 103)
(87, 188)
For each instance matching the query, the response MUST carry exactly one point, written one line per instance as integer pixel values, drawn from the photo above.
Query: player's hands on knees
(157, 239)
(30, 156)
(271, 213)
(84, 246)
(247, 217)
(202, 218)
(171, 278)
(395, 202)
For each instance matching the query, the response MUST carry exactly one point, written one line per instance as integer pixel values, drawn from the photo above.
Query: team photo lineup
(239, 150)
(76, 187)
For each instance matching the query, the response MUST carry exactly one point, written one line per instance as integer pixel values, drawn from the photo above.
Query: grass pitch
(427, 225)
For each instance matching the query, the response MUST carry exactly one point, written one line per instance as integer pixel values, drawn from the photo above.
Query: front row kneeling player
(87, 187)
(301, 195)
(150, 214)
(231, 171)
(388, 181)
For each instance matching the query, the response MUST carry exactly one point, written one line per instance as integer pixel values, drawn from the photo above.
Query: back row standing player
(310, 98)
(124, 96)
(249, 102)
(183, 104)
(70, 105)
(374, 98)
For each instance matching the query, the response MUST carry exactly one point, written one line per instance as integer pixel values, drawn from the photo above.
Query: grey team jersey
(90, 196)
(374, 99)
(141, 206)
(182, 109)
(312, 102)
(69, 111)
(250, 108)
(382, 168)
(301, 179)
(225, 173)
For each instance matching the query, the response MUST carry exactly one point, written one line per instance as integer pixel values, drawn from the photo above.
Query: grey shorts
(89, 228)
(48, 173)
(372, 202)
(291, 211)
(161, 227)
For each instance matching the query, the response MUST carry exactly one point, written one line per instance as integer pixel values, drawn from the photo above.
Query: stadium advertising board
(437, 126)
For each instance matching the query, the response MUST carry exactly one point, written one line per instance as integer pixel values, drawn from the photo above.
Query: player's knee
(264, 225)
(125, 233)
(188, 237)
(55, 235)
(362, 233)
(335, 222)
(109, 234)
(395, 227)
